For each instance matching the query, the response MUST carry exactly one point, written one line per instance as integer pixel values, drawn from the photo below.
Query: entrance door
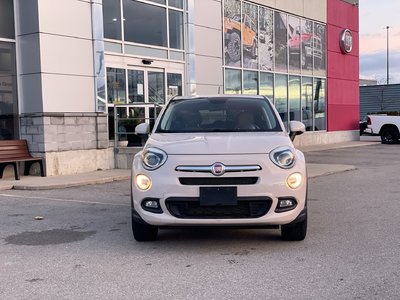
(147, 90)
(151, 86)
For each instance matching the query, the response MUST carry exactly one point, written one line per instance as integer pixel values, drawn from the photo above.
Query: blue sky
(375, 15)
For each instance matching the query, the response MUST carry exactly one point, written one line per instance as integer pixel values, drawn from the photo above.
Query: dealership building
(76, 76)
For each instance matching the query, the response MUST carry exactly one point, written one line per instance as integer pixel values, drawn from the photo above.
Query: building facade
(76, 77)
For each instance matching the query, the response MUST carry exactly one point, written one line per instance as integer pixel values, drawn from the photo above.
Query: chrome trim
(208, 169)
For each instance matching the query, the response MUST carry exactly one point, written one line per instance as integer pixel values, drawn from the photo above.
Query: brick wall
(57, 132)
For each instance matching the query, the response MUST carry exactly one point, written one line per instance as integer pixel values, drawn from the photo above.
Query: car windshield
(222, 114)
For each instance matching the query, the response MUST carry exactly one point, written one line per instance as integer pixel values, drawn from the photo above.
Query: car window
(219, 115)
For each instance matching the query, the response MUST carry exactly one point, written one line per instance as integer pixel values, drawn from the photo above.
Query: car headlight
(153, 158)
(283, 157)
(143, 182)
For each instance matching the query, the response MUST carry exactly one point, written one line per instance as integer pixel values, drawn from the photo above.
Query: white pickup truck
(385, 126)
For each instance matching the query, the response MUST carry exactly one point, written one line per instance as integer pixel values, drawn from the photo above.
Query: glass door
(136, 95)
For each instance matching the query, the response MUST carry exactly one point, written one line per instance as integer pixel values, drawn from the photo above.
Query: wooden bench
(14, 151)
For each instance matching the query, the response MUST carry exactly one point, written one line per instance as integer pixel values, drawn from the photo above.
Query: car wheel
(389, 135)
(294, 232)
(144, 232)
(234, 47)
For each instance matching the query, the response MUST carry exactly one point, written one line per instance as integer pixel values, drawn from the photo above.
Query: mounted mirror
(143, 128)
(296, 128)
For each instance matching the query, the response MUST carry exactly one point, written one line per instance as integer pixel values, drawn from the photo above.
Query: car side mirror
(143, 128)
(296, 128)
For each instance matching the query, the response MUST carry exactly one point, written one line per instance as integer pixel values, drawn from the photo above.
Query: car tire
(295, 232)
(144, 232)
(234, 47)
(389, 135)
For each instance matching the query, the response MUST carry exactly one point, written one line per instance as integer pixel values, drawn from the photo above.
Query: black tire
(234, 50)
(294, 232)
(389, 135)
(144, 232)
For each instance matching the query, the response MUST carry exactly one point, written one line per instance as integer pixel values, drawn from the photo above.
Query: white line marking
(61, 200)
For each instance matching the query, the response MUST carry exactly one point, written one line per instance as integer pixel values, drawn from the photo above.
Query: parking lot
(83, 247)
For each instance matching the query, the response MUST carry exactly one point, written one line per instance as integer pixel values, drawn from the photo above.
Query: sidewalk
(99, 177)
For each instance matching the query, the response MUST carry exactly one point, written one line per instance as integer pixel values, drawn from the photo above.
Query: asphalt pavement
(76, 243)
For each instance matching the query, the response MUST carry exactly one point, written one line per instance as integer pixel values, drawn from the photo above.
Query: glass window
(8, 93)
(249, 35)
(250, 82)
(307, 102)
(232, 33)
(294, 98)
(7, 19)
(156, 87)
(145, 23)
(176, 3)
(319, 49)
(306, 47)
(135, 86)
(233, 81)
(281, 40)
(175, 29)
(174, 84)
(267, 85)
(265, 45)
(112, 19)
(116, 86)
(219, 115)
(294, 44)
(319, 104)
(281, 96)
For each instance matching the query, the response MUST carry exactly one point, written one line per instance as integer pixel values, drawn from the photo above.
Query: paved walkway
(98, 177)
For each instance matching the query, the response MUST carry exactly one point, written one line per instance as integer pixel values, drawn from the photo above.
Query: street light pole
(387, 54)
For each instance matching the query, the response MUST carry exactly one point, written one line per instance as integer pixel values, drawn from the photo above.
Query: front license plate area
(221, 196)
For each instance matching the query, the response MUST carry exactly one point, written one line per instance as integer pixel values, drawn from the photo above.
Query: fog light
(143, 182)
(294, 180)
(285, 204)
(152, 205)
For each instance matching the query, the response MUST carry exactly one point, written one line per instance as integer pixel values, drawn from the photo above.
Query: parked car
(223, 160)
(385, 126)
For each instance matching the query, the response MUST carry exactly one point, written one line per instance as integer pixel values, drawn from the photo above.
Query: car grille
(218, 181)
(247, 207)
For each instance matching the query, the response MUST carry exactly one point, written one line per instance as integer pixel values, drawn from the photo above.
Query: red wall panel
(343, 92)
(346, 117)
(343, 102)
(343, 14)
(342, 66)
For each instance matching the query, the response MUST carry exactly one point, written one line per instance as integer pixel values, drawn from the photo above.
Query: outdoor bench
(14, 151)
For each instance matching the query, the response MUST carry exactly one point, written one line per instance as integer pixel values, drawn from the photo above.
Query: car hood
(218, 143)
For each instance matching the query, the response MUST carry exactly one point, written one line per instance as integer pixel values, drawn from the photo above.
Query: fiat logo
(346, 41)
(218, 169)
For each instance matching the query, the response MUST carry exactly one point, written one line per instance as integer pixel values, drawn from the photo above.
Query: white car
(219, 161)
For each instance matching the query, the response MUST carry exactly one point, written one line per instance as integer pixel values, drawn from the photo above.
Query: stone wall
(65, 139)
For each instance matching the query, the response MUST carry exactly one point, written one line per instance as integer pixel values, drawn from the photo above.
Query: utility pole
(387, 54)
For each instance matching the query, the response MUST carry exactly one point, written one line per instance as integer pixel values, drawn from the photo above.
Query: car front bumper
(270, 185)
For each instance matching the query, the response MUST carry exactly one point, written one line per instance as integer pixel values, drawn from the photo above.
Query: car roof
(222, 97)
